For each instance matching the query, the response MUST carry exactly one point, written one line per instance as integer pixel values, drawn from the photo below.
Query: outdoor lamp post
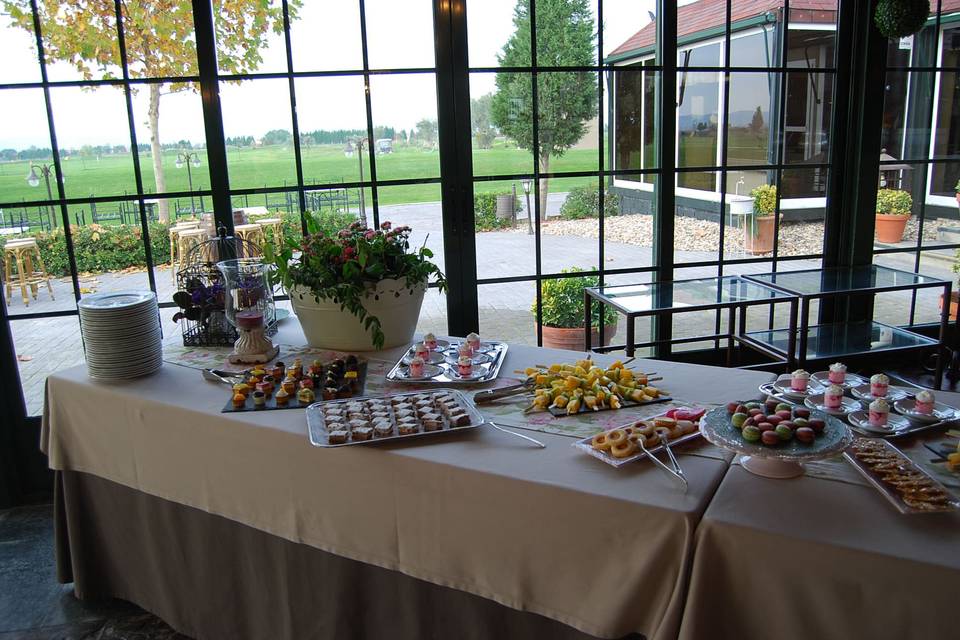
(46, 170)
(527, 183)
(188, 158)
(358, 144)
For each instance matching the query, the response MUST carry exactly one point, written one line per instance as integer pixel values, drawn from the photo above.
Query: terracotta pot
(958, 198)
(890, 227)
(762, 242)
(954, 303)
(572, 339)
(326, 326)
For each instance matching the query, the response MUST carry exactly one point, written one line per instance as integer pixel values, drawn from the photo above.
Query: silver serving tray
(585, 446)
(889, 492)
(317, 428)
(496, 350)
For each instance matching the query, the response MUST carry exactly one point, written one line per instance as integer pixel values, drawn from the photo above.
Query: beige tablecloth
(550, 531)
(812, 557)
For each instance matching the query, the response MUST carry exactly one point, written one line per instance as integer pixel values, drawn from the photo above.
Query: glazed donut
(616, 436)
(665, 431)
(629, 430)
(638, 439)
(646, 428)
(601, 442)
(623, 449)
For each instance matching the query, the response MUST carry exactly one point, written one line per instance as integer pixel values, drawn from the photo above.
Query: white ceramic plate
(940, 411)
(851, 380)
(429, 371)
(847, 406)
(112, 300)
(434, 358)
(862, 393)
(478, 372)
(860, 419)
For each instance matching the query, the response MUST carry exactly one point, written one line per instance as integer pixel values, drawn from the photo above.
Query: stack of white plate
(121, 334)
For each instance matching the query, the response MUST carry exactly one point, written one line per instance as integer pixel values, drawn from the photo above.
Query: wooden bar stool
(19, 255)
(272, 231)
(175, 231)
(252, 233)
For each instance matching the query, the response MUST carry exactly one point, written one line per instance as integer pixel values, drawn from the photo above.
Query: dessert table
(234, 526)
(821, 556)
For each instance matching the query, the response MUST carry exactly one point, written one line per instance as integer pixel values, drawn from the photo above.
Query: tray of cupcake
(279, 386)
(872, 407)
(434, 361)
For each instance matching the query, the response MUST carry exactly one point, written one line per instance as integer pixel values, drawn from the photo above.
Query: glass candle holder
(249, 307)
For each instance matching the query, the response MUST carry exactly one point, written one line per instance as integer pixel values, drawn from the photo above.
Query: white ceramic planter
(327, 327)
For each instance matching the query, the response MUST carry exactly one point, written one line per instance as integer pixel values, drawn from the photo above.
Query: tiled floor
(34, 606)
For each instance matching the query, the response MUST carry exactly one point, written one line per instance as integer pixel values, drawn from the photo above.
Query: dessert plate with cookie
(621, 445)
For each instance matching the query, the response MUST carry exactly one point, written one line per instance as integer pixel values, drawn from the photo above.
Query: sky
(325, 37)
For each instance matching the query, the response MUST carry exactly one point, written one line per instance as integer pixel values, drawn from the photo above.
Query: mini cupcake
(241, 389)
(431, 341)
(283, 398)
(879, 385)
(265, 388)
(306, 396)
(306, 383)
(465, 366)
(296, 368)
(416, 367)
(837, 373)
(473, 340)
(258, 373)
(277, 371)
(799, 380)
(259, 400)
(289, 385)
(316, 368)
(239, 400)
(924, 402)
(422, 351)
(833, 397)
(879, 411)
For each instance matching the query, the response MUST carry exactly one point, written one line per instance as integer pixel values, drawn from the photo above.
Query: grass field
(275, 166)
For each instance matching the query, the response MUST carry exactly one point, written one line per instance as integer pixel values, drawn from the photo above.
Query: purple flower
(370, 234)
(386, 225)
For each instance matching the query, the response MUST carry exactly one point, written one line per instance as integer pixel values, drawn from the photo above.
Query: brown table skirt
(212, 578)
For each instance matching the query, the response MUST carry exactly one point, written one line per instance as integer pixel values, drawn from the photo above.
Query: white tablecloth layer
(550, 531)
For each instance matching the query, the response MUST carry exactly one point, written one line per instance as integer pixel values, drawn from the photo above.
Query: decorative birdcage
(201, 294)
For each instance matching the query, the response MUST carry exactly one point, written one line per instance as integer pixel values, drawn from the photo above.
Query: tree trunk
(156, 151)
(544, 185)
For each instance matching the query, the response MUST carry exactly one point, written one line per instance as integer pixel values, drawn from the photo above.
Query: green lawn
(274, 166)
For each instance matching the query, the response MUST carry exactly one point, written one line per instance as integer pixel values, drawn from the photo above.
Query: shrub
(584, 202)
(764, 199)
(485, 211)
(562, 302)
(894, 202)
(329, 221)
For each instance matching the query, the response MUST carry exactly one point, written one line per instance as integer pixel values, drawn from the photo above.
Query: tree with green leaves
(566, 36)
(160, 42)
(480, 121)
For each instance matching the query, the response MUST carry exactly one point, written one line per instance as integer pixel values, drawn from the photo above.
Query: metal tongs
(676, 471)
(482, 397)
(226, 377)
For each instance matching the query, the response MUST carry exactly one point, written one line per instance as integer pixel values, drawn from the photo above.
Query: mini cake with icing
(282, 398)
(259, 399)
(879, 412)
(473, 340)
(431, 341)
(465, 366)
(422, 351)
(416, 367)
(306, 396)
(837, 373)
(833, 397)
(879, 385)
(924, 402)
(239, 400)
(799, 380)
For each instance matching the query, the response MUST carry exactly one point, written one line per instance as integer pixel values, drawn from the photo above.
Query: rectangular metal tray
(888, 492)
(271, 404)
(317, 429)
(498, 353)
(584, 445)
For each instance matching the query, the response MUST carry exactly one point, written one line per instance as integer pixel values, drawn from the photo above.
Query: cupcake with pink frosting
(879, 385)
(837, 373)
(879, 412)
(422, 351)
(465, 366)
(799, 380)
(833, 397)
(924, 402)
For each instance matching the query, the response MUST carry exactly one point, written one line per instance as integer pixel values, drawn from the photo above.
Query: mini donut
(629, 430)
(623, 449)
(638, 439)
(661, 431)
(601, 442)
(645, 428)
(616, 436)
(664, 421)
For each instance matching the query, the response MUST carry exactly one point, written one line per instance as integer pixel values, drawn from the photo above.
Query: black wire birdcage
(201, 294)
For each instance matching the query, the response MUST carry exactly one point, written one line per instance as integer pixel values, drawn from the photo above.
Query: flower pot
(954, 303)
(572, 339)
(759, 239)
(890, 227)
(327, 326)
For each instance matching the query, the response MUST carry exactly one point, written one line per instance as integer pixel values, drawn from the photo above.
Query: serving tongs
(675, 472)
(225, 377)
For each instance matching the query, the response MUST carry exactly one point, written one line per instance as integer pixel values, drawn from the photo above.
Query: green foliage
(344, 266)
(485, 211)
(764, 199)
(901, 18)
(328, 222)
(101, 249)
(894, 202)
(480, 123)
(562, 302)
(277, 136)
(566, 101)
(584, 202)
(956, 187)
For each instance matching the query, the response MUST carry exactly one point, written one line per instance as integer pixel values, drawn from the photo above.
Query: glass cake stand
(784, 460)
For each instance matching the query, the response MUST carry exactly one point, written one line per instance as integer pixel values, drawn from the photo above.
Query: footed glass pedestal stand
(249, 305)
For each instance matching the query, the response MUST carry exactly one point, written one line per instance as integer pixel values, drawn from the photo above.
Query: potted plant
(758, 232)
(562, 308)
(893, 211)
(355, 289)
(956, 188)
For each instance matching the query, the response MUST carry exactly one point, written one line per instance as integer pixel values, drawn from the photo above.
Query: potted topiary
(357, 288)
(758, 232)
(893, 211)
(562, 308)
